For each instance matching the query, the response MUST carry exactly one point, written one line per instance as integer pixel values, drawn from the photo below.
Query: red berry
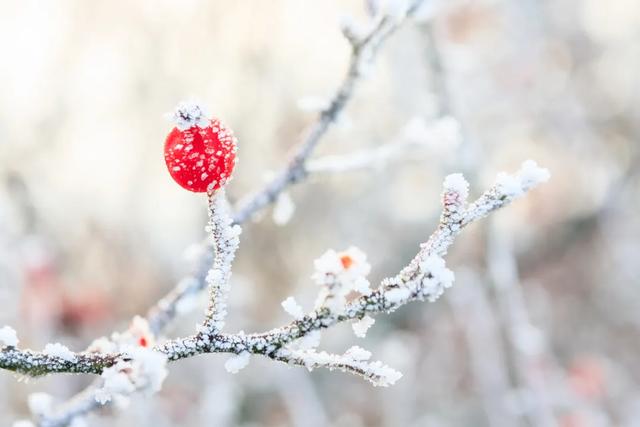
(200, 153)
(346, 261)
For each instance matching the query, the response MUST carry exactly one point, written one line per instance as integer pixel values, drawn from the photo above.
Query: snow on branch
(424, 278)
(127, 363)
(226, 240)
(136, 359)
(364, 49)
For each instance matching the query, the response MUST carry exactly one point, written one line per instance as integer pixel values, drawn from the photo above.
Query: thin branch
(226, 241)
(363, 53)
(376, 158)
(165, 310)
(421, 279)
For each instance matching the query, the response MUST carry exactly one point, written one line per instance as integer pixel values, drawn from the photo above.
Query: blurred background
(542, 327)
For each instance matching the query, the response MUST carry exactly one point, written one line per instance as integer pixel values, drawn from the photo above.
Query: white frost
(358, 353)
(361, 327)
(235, 363)
(458, 184)
(116, 382)
(528, 176)
(188, 114)
(509, 185)
(397, 295)
(59, 350)
(23, 423)
(340, 273)
(8, 337)
(531, 174)
(145, 371)
(309, 341)
(293, 308)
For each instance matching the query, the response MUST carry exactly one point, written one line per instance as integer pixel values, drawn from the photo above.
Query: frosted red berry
(200, 153)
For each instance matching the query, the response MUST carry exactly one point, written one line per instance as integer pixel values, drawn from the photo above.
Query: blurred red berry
(587, 377)
(200, 153)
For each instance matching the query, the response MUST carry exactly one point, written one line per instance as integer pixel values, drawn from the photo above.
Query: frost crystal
(235, 363)
(59, 350)
(188, 114)
(340, 273)
(328, 263)
(145, 371)
(226, 241)
(116, 382)
(361, 327)
(309, 341)
(346, 267)
(457, 184)
(531, 174)
(355, 360)
(509, 185)
(397, 295)
(436, 267)
(358, 353)
(8, 337)
(386, 375)
(293, 308)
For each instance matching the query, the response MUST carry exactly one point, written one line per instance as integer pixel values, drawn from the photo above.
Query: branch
(164, 311)
(226, 241)
(425, 277)
(364, 50)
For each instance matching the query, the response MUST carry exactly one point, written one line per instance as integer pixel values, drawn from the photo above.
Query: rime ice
(226, 241)
(59, 350)
(235, 363)
(456, 183)
(340, 273)
(144, 371)
(292, 307)
(188, 114)
(8, 337)
(361, 327)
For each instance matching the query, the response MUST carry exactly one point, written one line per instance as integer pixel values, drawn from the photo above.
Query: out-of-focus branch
(376, 158)
(364, 49)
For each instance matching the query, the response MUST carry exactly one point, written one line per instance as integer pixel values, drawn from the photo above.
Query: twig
(421, 279)
(363, 53)
(165, 310)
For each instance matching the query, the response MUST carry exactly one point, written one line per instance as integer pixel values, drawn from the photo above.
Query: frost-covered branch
(364, 48)
(225, 242)
(425, 277)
